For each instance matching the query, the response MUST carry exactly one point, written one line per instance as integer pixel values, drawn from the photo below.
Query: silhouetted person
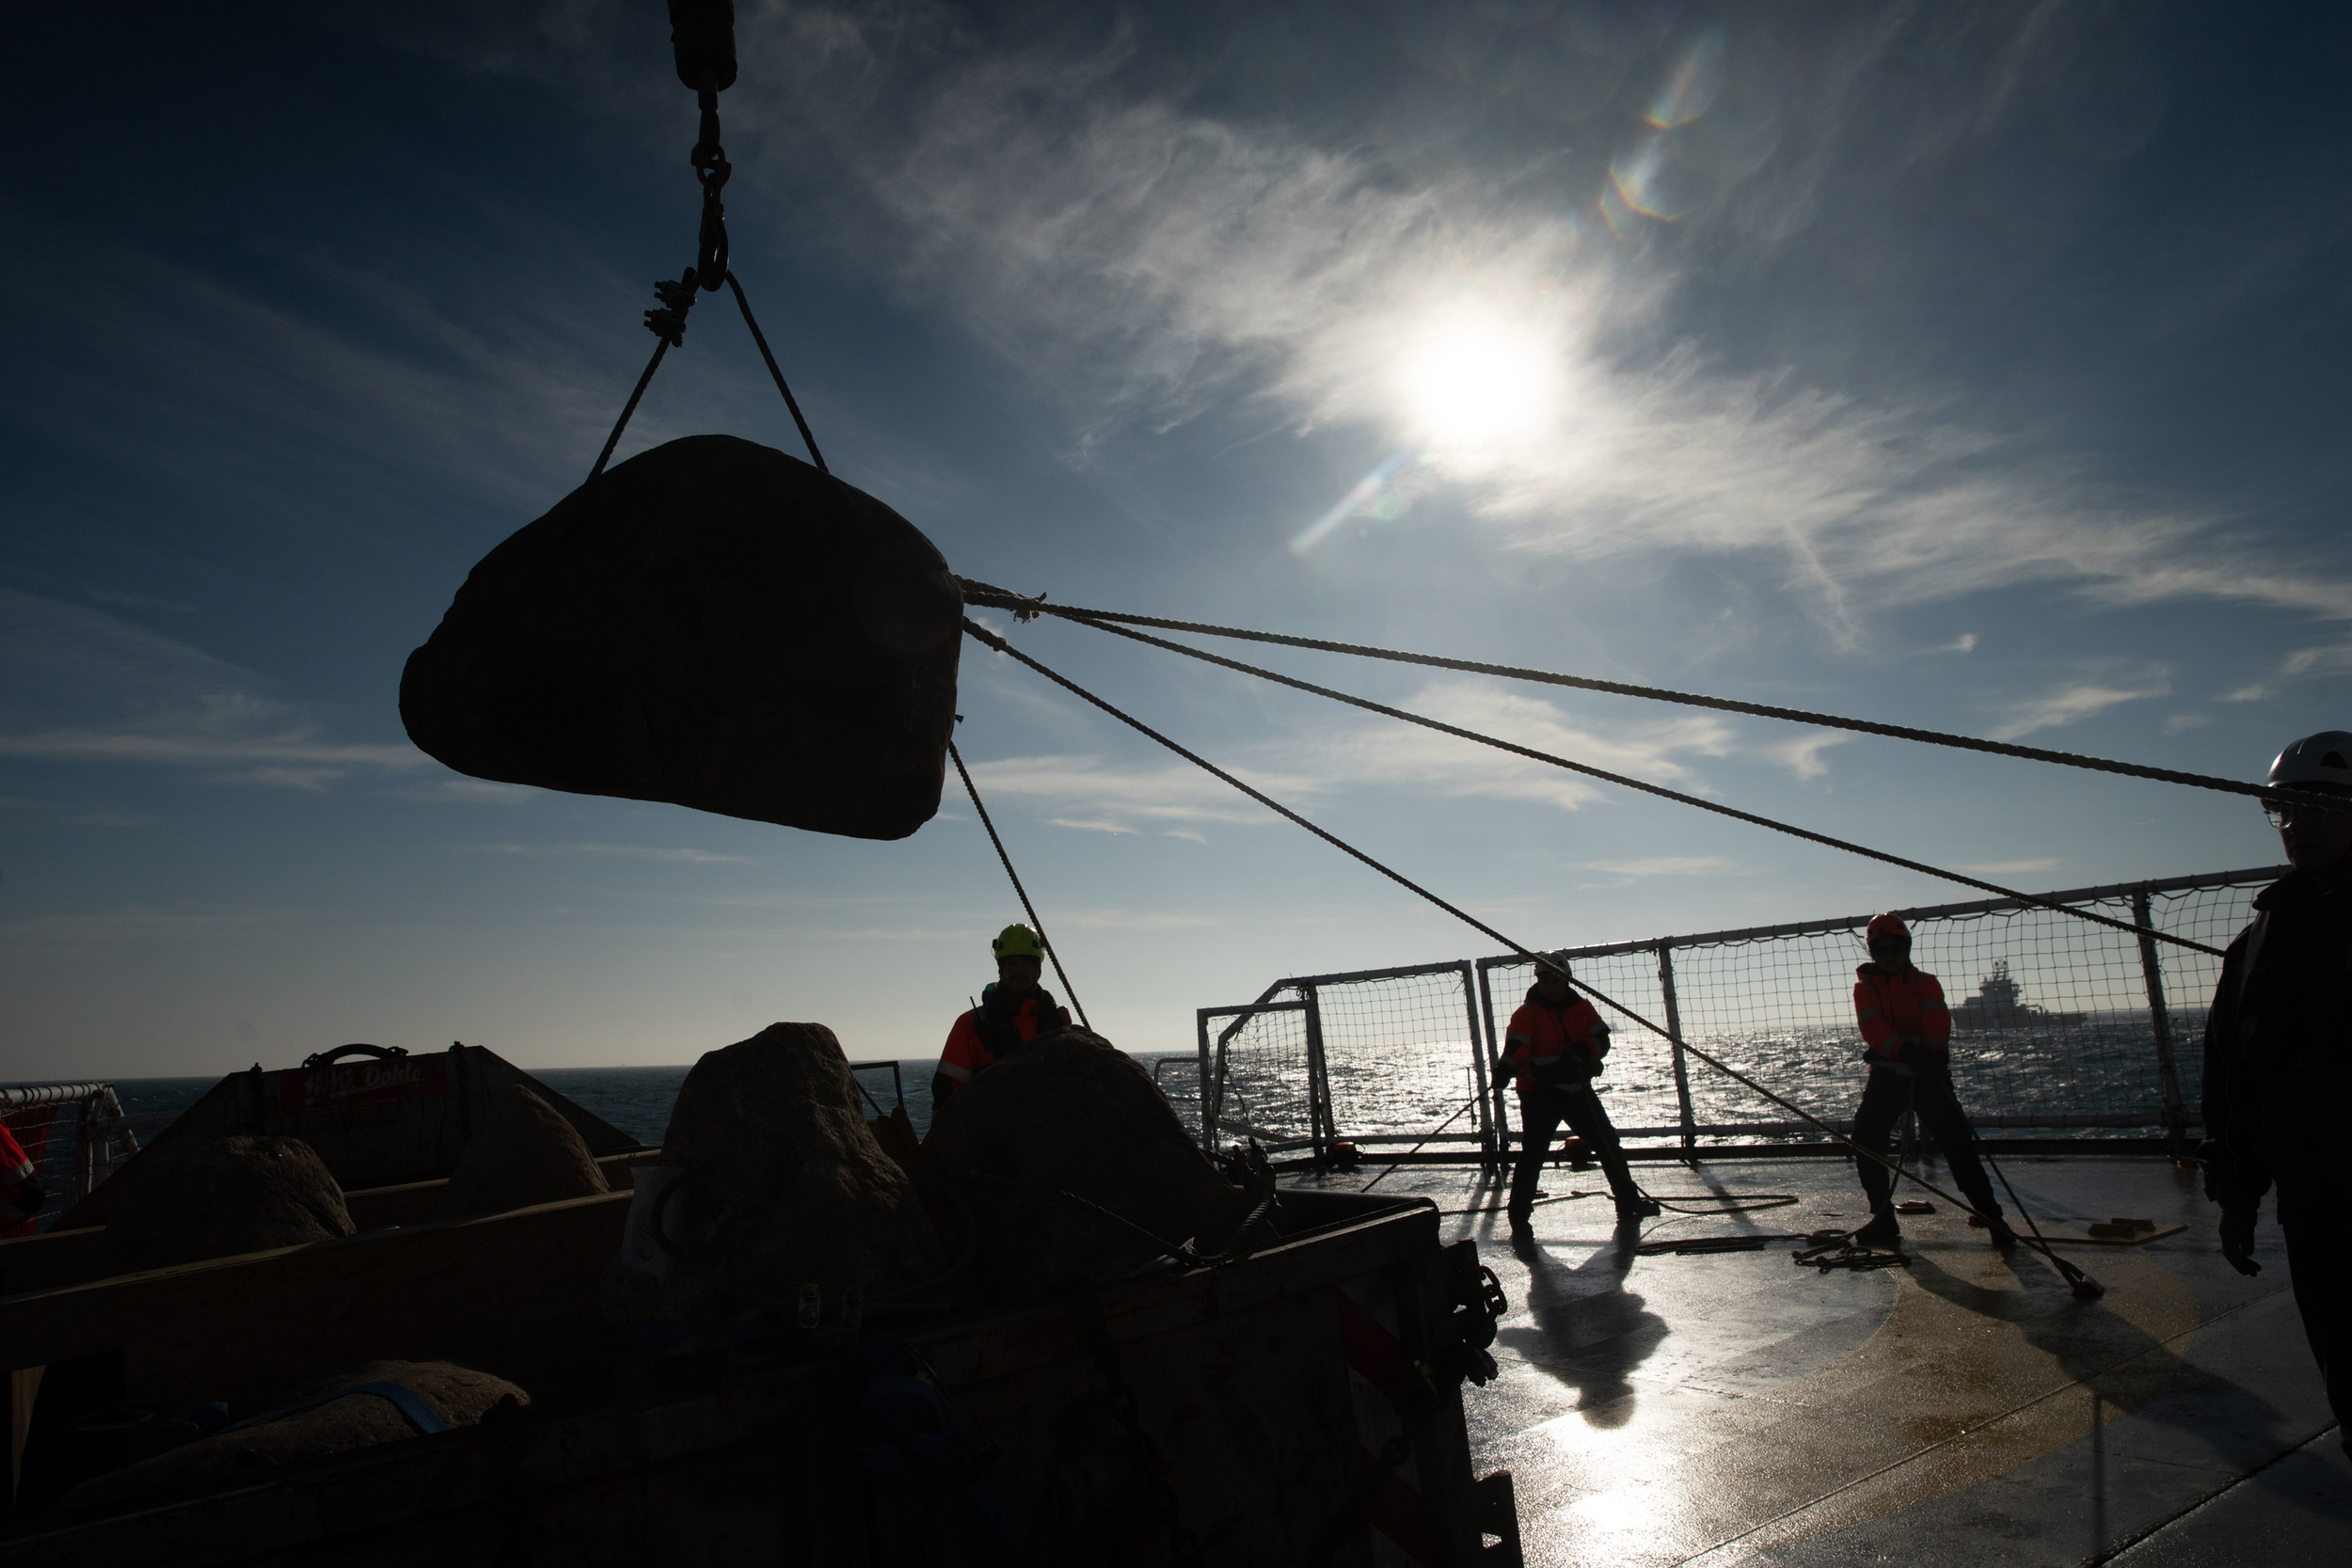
(2279, 1060)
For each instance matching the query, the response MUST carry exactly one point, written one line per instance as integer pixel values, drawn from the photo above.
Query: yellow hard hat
(1017, 941)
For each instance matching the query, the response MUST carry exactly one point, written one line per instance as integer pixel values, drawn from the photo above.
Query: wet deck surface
(1967, 1409)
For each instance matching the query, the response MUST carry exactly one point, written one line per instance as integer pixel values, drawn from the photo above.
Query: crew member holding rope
(1012, 1012)
(1909, 1035)
(2279, 1060)
(1554, 1048)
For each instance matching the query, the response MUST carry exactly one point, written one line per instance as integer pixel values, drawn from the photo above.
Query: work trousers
(2318, 1233)
(1929, 1093)
(1541, 1111)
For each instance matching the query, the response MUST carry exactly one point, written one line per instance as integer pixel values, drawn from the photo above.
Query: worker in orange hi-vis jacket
(1554, 1048)
(1907, 1032)
(1011, 1013)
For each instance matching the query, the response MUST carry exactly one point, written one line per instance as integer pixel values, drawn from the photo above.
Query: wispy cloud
(131, 696)
(2333, 658)
(1802, 755)
(2253, 694)
(2014, 868)
(2069, 705)
(1964, 643)
(140, 923)
(1175, 792)
(1387, 753)
(625, 852)
(2180, 721)
(1309, 764)
(1667, 866)
(1151, 261)
(1126, 920)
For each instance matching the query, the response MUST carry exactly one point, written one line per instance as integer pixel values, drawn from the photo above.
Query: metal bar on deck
(24, 1094)
(1937, 911)
(2160, 1017)
(1673, 1032)
(1320, 1125)
(1478, 1059)
(1499, 1148)
(1209, 1105)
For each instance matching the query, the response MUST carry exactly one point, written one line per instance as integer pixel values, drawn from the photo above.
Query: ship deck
(1967, 1409)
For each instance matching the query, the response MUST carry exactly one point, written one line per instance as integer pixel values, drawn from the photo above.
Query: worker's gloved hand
(2237, 1238)
(1501, 1068)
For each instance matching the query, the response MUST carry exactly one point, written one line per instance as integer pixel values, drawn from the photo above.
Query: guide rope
(1659, 790)
(2081, 1282)
(1027, 908)
(1025, 608)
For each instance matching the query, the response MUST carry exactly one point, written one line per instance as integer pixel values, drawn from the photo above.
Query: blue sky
(1973, 367)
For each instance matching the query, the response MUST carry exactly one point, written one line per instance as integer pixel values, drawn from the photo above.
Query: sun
(1472, 379)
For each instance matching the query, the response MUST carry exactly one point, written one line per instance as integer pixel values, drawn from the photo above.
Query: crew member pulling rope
(2083, 1284)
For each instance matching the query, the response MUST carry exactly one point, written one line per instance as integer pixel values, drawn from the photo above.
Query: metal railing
(2075, 1027)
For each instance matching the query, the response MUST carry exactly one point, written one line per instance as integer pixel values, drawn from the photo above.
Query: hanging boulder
(713, 623)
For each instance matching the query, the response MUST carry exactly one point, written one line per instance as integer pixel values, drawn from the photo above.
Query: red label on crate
(355, 1084)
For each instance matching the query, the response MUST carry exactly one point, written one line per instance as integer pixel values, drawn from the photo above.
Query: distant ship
(1997, 1006)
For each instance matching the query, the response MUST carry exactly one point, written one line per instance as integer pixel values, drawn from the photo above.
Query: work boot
(1882, 1230)
(1632, 1208)
(1988, 1218)
(1521, 1216)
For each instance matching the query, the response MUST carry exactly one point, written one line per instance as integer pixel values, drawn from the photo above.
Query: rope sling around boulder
(629, 643)
(2079, 1281)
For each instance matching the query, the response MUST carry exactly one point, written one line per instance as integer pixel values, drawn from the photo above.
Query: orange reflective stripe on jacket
(1893, 1008)
(1540, 1036)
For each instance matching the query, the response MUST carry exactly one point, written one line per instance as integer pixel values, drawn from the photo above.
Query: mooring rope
(1027, 908)
(1024, 607)
(1660, 790)
(2075, 1276)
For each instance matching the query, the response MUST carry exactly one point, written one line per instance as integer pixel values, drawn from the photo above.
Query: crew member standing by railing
(1554, 1048)
(1908, 1033)
(2279, 1060)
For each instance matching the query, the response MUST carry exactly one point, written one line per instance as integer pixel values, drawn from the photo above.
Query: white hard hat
(2322, 758)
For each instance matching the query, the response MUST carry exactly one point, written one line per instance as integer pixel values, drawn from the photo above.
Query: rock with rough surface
(521, 1152)
(239, 1195)
(784, 1186)
(458, 1395)
(712, 624)
(1071, 1111)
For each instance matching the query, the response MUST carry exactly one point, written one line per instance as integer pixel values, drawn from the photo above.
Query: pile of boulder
(777, 1195)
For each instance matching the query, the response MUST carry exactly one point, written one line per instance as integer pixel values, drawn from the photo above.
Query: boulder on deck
(458, 1396)
(521, 1152)
(1071, 1112)
(235, 1195)
(781, 1185)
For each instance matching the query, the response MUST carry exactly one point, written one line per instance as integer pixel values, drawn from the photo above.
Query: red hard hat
(1885, 928)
